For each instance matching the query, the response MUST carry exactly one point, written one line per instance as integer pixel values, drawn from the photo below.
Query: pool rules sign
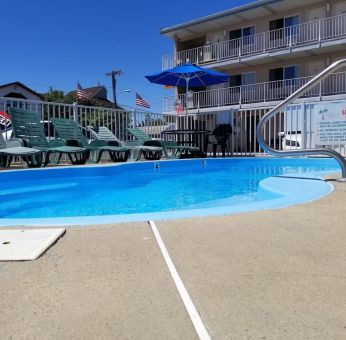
(330, 123)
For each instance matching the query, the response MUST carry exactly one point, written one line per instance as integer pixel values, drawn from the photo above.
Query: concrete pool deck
(273, 274)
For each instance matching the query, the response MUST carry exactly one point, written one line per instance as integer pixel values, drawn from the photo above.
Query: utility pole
(114, 74)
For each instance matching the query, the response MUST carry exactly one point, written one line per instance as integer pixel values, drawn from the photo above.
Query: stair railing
(303, 152)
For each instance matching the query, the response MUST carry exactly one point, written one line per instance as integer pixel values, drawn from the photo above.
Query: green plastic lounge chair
(13, 148)
(69, 131)
(170, 148)
(28, 128)
(136, 149)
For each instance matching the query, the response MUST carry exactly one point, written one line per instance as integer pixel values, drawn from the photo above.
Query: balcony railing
(257, 93)
(303, 34)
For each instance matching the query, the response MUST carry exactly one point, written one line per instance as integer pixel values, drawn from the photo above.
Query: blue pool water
(157, 189)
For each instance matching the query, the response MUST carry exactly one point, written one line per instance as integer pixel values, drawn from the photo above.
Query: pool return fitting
(303, 152)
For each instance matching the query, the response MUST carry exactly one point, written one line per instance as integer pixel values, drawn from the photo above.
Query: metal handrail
(324, 151)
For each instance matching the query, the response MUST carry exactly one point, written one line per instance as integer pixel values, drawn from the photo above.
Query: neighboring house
(19, 90)
(17, 94)
(98, 96)
(269, 48)
(97, 92)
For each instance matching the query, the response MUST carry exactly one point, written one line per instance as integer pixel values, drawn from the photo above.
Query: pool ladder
(303, 152)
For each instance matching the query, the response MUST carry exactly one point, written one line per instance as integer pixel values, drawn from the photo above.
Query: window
(276, 74)
(291, 25)
(242, 37)
(247, 31)
(284, 73)
(283, 23)
(235, 80)
(235, 34)
(242, 79)
(242, 33)
(291, 21)
(276, 24)
(283, 27)
(15, 103)
(248, 78)
(248, 35)
(291, 72)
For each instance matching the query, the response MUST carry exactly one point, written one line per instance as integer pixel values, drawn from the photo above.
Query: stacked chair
(69, 131)
(136, 149)
(170, 148)
(14, 148)
(31, 144)
(29, 130)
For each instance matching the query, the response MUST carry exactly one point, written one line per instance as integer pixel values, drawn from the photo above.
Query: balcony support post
(319, 33)
(265, 92)
(240, 96)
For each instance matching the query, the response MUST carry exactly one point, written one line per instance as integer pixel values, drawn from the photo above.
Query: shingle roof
(94, 91)
(24, 87)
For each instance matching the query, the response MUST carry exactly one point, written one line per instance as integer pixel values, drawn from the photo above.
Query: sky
(59, 43)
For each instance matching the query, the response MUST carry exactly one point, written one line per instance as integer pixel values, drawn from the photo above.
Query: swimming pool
(158, 190)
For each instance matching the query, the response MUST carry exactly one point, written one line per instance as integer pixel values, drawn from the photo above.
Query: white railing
(282, 131)
(306, 151)
(116, 120)
(286, 38)
(291, 129)
(258, 93)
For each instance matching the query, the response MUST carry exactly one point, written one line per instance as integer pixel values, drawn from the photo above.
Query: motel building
(269, 48)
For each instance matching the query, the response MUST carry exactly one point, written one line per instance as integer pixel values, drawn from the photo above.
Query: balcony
(325, 31)
(261, 93)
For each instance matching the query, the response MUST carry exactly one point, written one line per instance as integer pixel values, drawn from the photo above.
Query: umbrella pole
(186, 100)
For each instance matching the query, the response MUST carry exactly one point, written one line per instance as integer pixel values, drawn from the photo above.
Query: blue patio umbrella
(188, 75)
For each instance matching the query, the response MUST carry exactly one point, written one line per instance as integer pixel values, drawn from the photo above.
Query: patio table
(188, 137)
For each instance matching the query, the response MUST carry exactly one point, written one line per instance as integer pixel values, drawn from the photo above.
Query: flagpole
(76, 94)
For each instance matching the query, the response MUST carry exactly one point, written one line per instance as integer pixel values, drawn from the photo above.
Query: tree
(56, 96)
(70, 97)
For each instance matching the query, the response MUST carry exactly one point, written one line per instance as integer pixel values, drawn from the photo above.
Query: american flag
(178, 107)
(141, 102)
(82, 94)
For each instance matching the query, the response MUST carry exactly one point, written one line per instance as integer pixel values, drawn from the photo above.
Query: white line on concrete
(190, 307)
